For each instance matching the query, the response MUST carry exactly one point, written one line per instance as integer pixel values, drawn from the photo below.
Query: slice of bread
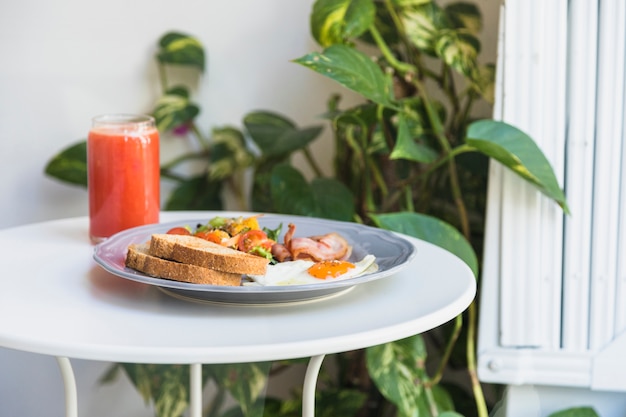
(138, 257)
(200, 252)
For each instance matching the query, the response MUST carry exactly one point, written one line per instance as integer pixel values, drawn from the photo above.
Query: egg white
(295, 272)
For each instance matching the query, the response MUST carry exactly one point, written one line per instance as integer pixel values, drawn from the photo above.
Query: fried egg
(303, 272)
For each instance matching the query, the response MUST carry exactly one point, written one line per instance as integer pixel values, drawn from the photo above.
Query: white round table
(56, 300)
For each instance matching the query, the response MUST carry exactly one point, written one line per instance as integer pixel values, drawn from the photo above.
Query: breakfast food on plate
(200, 252)
(327, 247)
(243, 234)
(225, 250)
(139, 258)
(301, 272)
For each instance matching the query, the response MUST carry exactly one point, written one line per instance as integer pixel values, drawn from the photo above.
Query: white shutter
(554, 287)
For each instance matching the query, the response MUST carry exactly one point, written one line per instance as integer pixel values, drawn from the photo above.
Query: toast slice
(200, 252)
(138, 257)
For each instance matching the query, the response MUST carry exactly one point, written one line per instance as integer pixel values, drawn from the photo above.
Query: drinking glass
(122, 173)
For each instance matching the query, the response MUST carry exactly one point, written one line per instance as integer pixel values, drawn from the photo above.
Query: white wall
(64, 61)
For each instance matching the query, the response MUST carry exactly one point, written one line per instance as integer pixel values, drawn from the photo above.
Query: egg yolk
(330, 269)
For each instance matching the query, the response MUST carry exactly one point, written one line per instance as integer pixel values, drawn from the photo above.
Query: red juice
(123, 174)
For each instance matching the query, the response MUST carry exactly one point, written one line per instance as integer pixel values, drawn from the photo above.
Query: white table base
(69, 380)
(195, 387)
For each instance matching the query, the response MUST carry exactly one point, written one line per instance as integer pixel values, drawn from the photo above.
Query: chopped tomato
(215, 236)
(252, 239)
(179, 231)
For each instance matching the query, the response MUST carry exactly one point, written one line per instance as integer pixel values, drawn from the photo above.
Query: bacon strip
(281, 253)
(327, 247)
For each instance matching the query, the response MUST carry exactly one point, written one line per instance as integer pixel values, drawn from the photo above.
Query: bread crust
(139, 258)
(200, 252)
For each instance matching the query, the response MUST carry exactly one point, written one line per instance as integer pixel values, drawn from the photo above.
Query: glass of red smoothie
(123, 173)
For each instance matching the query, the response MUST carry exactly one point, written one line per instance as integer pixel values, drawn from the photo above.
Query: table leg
(71, 397)
(310, 380)
(195, 390)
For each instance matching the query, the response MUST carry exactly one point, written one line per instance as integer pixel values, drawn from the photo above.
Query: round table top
(55, 300)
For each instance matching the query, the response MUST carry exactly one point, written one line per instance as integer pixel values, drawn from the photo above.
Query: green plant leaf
(518, 152)
(422, 21)
(275, 135)
(430, 229)
(450, 414)
(459, 50)
(334, 200)
(465, 15)
(229, 153)
(576, 412)
(444, 401)
(166, 385)
(396, 368)
(332, 402)
(70, 165)
(258, 121)
(384, 24)
(181, 49)
(290, 192)
(110, 375)
(352, 69)
(265, 406)
(323, 197)
(197, 193)
(244, 381)
(262, 200)
(407, 3)
(363, 115)
(407, 148)
(484, 82)
(174, 109)
(171, 398)
(336, 21)
(141, 377)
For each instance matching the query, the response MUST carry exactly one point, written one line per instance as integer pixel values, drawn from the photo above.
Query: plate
(392, 252)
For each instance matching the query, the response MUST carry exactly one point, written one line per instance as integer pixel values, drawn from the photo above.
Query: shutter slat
(531, 283)
(609, 111)
(582, 50)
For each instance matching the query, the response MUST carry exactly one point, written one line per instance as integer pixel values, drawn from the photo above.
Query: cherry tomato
(179, 231)
(252, 239)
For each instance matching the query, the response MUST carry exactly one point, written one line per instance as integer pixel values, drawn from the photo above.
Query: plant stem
(458, 325)
(402, 67)
(464, 115)
(182, 158)
(408, 193)
(204, 142)
(239, 194)
(309, 157)
(430, 398)
(447, 85)
(378, 176)
(170, 175)
(479, 398)
(443, 141)
(450, 155)
(411, 52)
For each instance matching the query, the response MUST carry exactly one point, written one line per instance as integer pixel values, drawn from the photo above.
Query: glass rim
(124, 119)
